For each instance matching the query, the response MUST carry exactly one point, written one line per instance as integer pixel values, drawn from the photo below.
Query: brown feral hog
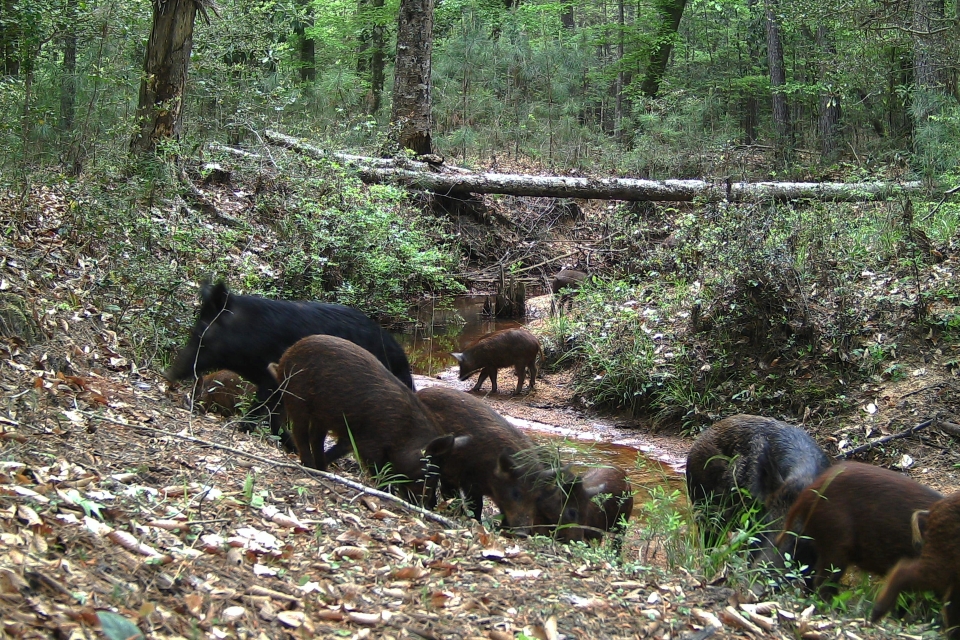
(938, 567)
(469, 456)
(331, 385)
(586, 506)
(857, 514)
(223, 392)
(517, 348)
(749, 461)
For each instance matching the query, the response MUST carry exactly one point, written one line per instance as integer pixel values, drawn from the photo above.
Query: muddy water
(645, 472)
(441, 330)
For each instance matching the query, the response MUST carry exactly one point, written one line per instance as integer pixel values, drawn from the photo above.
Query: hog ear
(215, 296)
(458, 356)
(918, 526)
(506, 465)
(441, 446)
(569, 481)
(274, 370)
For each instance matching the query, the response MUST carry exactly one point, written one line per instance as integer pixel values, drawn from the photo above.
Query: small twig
(430, 515)
(950, 427)
(878, 441)
(938, 385)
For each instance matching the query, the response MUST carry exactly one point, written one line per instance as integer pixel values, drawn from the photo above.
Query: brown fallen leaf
(354, 553)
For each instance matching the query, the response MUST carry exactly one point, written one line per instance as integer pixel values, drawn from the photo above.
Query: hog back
(770, 459)
(331, 385)
(567, 279)
(857, 514)
(470, 460)
(517, 348)
(599, 500)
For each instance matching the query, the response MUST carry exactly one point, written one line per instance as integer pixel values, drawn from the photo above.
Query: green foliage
(765, 307)
(322, 236)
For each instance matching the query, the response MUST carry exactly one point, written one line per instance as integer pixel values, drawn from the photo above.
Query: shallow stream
(583, 439)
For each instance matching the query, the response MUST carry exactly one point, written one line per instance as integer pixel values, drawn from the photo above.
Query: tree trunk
(377, 59)
(9, 39)
(411, 80)
(930, 60)
(621, 99)
(566, 16)
(751, 106)
(160, 110)
(670, 11)
(778, 79)
(68, 82)
(308, 47)
(829, 124)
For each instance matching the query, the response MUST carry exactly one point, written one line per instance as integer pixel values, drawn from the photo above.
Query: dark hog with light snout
(222, 392)
(246, 333)
(773, 462)
(567, 280)
(857, 514)
(477, 456)
(517, 348)
(586, 506)
(331, 385)
(938, 567)
(566, 284)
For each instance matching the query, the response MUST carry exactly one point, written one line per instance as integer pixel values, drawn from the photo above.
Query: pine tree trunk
(566, 16)
(829, 124)
(377, 60)
(9, 39)
(411, 85)
(930, 61)
(751, 105)
(671, 12)
(308, 47)
(900, 76)
(68, 82)
(778, 79)
(160, 109)
(621, 99)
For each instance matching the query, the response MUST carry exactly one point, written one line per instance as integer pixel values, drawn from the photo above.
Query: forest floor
(116, 499)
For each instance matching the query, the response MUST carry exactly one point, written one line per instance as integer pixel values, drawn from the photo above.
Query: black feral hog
(469, 456)
(246, 333)
(222, 392)
(769, 460)
(586, 506)
(938, 567)
(857, 514)
(329, 385)
(517, 348)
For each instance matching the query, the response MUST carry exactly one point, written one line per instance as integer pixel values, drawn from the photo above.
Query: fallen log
(630, 188)
(289, 142)
(458, 182)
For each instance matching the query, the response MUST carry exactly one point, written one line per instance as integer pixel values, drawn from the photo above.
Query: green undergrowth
(136, 246)
(756, 307)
